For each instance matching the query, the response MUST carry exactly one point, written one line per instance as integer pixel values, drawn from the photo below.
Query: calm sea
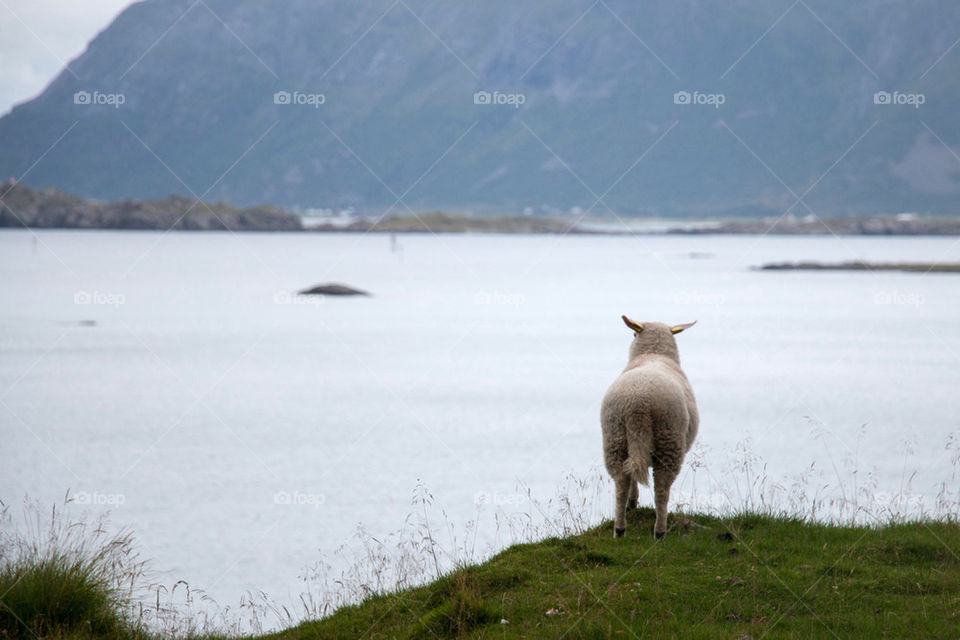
(243, 432)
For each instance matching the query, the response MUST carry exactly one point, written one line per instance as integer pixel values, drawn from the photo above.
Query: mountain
(658, 108)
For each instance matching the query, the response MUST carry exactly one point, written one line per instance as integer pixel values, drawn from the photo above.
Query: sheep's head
(655, 337)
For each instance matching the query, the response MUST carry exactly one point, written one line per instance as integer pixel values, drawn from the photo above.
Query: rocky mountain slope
(665, 108)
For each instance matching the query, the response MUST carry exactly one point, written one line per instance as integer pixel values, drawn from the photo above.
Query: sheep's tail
(639, 457)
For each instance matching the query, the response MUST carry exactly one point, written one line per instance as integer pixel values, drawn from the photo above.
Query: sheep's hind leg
(633, 495)
(663, 477)
(620, 515)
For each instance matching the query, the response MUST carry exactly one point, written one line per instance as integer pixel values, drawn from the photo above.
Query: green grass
(55, 596)
(757, 576)
(66, 580)
(749, 575)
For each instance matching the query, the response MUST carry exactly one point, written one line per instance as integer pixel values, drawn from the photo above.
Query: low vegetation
(742, 576)
(67, 579)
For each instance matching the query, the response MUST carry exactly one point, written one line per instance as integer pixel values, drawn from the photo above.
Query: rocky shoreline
(440, 222)
(49, 208)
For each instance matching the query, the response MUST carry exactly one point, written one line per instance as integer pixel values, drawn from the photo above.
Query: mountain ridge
(599, 128)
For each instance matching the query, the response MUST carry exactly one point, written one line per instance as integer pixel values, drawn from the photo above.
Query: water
(244, 433)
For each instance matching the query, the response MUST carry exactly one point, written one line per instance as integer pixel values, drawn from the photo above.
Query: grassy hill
(744, 576)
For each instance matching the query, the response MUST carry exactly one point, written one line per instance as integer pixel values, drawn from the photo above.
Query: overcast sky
(39, 37)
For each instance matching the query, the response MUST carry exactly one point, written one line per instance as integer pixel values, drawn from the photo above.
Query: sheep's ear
(680, 327)
(636, 326)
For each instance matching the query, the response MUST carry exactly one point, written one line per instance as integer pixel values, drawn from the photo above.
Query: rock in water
(332, 289)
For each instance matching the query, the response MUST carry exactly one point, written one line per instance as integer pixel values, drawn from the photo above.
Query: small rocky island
(859, 265)
(332, 289)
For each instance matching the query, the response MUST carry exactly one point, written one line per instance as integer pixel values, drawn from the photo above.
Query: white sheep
(649, 419)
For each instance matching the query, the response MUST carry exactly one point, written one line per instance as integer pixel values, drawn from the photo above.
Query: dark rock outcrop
(332, 289)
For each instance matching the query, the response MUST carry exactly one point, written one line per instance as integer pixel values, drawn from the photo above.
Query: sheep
(649, 419)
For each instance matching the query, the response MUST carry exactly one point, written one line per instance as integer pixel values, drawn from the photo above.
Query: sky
(39, 37)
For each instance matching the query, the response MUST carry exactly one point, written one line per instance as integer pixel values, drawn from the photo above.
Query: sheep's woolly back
(649, 409)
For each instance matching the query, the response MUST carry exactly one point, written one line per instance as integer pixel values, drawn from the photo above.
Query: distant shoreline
(49, 208)
(879, 225)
